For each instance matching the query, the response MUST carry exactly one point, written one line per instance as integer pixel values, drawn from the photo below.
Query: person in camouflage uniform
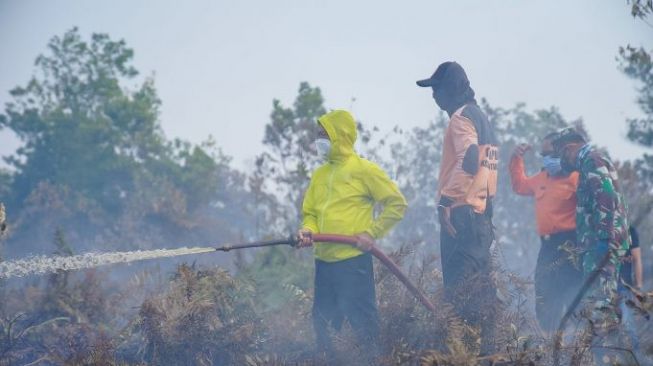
(601, 225)
(601, 222)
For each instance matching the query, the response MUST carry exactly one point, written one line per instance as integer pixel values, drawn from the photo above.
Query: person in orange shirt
(557, 278)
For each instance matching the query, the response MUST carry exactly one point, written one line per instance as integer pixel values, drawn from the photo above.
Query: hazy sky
(219, 64)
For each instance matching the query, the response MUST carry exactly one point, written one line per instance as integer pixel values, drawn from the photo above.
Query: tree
(637, 176)
(636, 64)
(289, 157)
(78, 126)
(96, 164)
(641, 8)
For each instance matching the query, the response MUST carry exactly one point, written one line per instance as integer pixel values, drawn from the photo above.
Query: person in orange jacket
(467, 185)
(557, 278)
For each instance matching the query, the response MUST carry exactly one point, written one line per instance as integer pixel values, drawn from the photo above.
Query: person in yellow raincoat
(340, 199)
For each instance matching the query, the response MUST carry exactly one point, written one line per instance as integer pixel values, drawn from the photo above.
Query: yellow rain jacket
(341, 196)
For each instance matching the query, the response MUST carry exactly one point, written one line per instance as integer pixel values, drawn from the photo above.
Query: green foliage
(636, 63)
(96, 164)
(275, 268)
(79, 128)
(641, 8)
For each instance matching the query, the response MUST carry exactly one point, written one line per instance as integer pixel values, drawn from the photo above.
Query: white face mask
(323, 146)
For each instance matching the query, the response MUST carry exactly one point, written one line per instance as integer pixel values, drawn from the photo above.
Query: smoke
(48, 264)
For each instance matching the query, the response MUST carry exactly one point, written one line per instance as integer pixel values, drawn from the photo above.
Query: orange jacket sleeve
(521, 184)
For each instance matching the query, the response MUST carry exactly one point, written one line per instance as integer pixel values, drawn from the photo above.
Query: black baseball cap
(440, 74)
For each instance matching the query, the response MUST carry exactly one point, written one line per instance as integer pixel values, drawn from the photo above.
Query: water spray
(42, 264)
(50, 264)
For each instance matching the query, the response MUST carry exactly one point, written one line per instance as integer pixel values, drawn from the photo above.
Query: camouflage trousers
(600, 312)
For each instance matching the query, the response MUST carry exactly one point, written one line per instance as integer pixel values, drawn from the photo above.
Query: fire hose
(349, 240)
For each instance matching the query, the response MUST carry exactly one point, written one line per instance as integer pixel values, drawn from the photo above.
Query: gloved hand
(304, 238)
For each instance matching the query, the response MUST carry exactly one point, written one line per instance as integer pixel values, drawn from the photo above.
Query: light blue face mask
(552, 165)
(323, 147)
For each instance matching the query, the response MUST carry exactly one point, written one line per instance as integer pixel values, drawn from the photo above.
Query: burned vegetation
(206, 316)
(137, 190)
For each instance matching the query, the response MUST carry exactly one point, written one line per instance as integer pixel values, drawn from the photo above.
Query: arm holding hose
(362, 241)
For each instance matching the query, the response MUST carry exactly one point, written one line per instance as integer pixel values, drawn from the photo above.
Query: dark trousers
(345, 290)
(466, 271)
(557, 279)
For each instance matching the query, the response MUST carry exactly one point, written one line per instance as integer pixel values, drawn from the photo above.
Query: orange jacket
(468, 170)
(555, 197)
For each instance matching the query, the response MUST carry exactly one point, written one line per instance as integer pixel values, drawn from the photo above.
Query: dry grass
(208, 317)
(205, 318)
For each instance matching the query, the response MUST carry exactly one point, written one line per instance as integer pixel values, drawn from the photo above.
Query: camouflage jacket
(601, 211)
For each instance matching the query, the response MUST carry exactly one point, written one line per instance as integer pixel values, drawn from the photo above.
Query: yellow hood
(341, 128)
